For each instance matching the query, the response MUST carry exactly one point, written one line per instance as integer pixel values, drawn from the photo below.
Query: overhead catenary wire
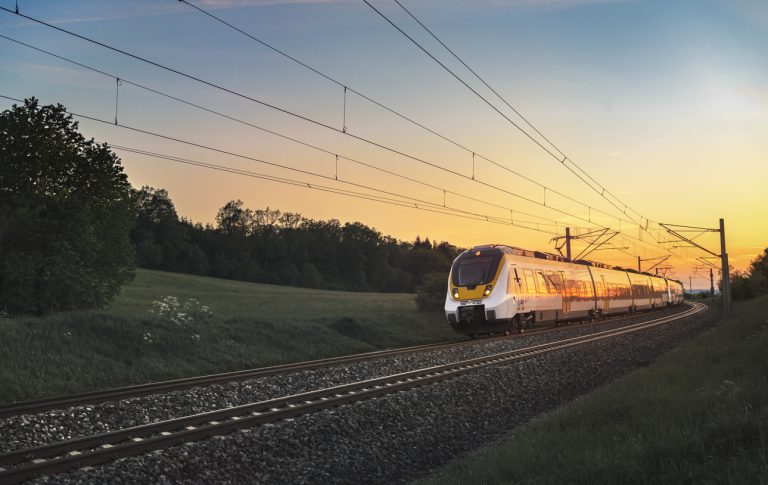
(373, 143)
(600, 189)
(603, 190)
(323, 188)
(414, 201)
(275, 133)
(249, 98)
(391, 110)
(370, 99)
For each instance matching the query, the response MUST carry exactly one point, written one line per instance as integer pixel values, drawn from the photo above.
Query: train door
(515, 286)
(531, 290)
(604, 293)
(567, 291)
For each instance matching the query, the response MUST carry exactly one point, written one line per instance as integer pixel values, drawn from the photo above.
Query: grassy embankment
(253, 325)
(697, 415)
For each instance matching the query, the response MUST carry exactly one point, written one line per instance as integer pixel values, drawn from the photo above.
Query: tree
(65, 214)
(758, 273)
(741, 286)
(233, 219)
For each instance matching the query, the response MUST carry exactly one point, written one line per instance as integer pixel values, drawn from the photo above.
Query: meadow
(697, 415)
(245, 325)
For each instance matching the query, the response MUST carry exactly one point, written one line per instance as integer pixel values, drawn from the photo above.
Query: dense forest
(270, 246)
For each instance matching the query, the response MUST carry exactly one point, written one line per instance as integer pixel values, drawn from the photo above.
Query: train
(502, 289)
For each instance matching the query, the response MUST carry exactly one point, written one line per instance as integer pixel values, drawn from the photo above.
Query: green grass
(697, 415)
(253, 325)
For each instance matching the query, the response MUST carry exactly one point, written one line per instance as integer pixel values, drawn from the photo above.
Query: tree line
(271, 246)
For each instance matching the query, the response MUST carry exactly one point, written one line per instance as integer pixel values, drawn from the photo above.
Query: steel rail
(138, 390)
(97, 449)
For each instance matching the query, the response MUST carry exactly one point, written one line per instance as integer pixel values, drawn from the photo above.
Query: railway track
(58, 457)
(127, 392)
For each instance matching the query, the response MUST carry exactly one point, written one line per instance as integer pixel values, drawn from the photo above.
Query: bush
(65, 214)
(431, 294)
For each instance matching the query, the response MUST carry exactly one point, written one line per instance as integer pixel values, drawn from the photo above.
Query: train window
(530, 281)
(599, 288)
(575, 294)
(590, 289)
(543, 286)
(567, 287)
(476, 270)
(554, 282)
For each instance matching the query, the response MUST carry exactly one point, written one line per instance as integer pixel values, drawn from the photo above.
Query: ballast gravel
(402, 436)
(26, 431)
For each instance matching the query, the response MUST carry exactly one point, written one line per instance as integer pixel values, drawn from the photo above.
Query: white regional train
(497, 289)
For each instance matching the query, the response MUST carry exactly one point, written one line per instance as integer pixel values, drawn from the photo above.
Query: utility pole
(712, 286)
(725, 272)
(638, 263)
(568, 243)
(677, 230)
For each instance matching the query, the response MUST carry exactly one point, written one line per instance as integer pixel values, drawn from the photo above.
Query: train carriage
(494, 289)
(613, 288)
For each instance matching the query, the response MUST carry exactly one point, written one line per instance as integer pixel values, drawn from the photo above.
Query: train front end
(477, 302)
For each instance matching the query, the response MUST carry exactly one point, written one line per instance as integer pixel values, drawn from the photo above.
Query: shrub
(431, 294)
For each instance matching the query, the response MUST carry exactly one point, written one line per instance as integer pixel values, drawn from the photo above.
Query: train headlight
(455, 293)
(487, 290)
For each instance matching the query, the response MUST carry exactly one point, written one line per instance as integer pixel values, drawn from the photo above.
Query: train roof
(556, 257)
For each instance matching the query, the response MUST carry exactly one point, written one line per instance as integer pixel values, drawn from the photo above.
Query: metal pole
(568, 243)
(638, 263)
(725, 273)
(712, 286)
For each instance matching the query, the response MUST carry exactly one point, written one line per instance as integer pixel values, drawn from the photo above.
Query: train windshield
(473, 270)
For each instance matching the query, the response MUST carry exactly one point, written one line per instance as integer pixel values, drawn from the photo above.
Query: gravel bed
(25, 431)
(403, 436)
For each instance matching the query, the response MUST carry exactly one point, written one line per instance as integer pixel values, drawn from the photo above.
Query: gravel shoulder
(402, 436)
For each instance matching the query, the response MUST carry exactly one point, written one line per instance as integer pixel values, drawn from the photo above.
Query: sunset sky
(663, 103)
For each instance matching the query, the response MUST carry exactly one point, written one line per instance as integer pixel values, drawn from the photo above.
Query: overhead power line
(314, 186)
(443, 190)
(430, 130)
(249, 98)
(302, 117)
(416, 202)
(597, 187)
(423, 126)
